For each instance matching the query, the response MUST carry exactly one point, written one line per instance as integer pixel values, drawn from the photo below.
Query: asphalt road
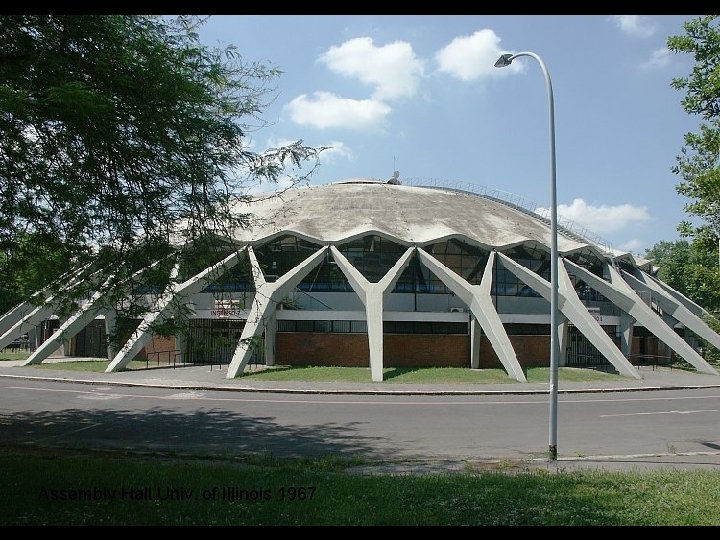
(434, 427)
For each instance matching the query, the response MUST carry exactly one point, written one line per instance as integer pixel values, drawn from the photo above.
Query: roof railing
(567, 227)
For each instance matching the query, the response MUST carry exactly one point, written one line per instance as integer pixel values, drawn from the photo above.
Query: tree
(121, 142)
(691, 268)
(699, 161)
(34, 259)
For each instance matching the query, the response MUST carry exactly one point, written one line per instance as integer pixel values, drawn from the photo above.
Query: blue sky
(420, 94)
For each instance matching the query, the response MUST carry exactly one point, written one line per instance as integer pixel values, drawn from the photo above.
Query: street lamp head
(504, 60)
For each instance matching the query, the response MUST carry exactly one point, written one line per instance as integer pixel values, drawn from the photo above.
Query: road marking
(100, 397)
(659, 412)
(186, 395)
(357, 402)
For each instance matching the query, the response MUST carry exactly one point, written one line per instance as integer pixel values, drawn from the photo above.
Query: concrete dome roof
(343, 211)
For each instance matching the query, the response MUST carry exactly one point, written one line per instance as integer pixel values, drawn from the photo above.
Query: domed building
(379, 274)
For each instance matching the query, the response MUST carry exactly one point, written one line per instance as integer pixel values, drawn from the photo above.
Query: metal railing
(653, 360)
(171, 358)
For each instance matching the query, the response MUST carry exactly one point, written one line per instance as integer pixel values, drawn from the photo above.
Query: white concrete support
(674, 308)
(264, 305)
(22, 310)
(624, 297)
(110, 325)
(164, 306)
(656, 284)
(572, 307)
(475, 338)
(372, 296)
(627, 325)
(33, 318)
(478, 299)
(9, 319)
(71, 326)
(270, 332)
(563, 331)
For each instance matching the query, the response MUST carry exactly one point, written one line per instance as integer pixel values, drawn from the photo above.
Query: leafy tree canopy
(691, 268)
(699, 162)
(121, 138)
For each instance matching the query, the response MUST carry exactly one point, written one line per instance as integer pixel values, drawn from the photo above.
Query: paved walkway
(214, 378)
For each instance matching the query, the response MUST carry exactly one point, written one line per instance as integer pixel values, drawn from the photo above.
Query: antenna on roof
(396, 174)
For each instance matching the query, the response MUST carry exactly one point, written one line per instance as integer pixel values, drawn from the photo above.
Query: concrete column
(28, 321)
(110, 326)
(254, 327)
(475, 338)
(374, 310)
(9, 319)
(270, 336)
(264, 305)
(573, 309)
(627, 325)
(563, 331)
(478, 299)
(69, 328)
(372, 296)
(164, 306)
(623, 296)
(676, 308)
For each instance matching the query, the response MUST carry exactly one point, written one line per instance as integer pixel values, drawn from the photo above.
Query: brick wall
(352, 349)
(530, 351)
(306, 349)
(158, 344)
(403, 350)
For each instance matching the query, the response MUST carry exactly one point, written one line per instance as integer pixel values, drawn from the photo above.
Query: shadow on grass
(577, 498)
(393, 372)
(274, 369)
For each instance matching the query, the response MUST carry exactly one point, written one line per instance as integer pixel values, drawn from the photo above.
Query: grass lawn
(14, 355)
(75, 487)
(542, 374)
(437, 375)
(97, 366)
(393, 375)
(430, 375)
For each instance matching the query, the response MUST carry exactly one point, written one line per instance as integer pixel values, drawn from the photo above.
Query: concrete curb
(392, 392)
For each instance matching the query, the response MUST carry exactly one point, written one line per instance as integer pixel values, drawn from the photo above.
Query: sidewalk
(214, 378)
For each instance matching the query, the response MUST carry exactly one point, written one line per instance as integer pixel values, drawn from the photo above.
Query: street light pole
(503, 61)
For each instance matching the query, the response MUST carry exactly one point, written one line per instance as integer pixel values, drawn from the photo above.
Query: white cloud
(634, 25)
(658, 60)
(283, 183)
(274, 142)
(601, 219)
(473, 57)
(326, 110)
(392, 69)
(333, 150)
(336, 150)
(633, 246)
